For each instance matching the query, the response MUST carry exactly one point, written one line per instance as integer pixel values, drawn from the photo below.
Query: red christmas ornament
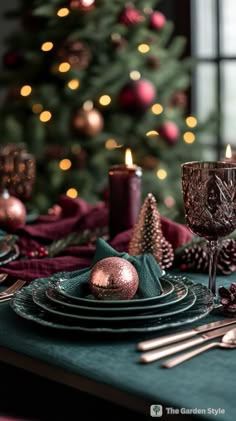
(12, 212)
(130, 16)
(113, 278)
(157, 20)
(169, 131)
(137, 95)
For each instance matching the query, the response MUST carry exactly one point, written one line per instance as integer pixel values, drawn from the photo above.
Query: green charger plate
(24, 306)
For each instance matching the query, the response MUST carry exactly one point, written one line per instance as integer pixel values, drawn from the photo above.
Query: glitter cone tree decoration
(148, 236)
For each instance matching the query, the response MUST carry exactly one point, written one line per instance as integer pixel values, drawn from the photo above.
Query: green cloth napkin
(149, 271)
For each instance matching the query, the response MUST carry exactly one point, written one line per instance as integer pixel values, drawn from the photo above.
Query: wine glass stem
(213, 247)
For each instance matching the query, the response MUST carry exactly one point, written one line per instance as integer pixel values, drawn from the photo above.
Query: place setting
(145, 299)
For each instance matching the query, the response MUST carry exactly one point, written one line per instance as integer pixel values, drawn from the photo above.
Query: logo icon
(156, 410)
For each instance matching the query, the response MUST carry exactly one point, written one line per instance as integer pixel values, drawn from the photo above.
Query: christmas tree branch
(75, 239)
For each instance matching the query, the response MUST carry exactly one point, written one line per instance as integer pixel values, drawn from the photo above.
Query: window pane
(228, 27)
(204, 27)
(205, 91)
(228, 102)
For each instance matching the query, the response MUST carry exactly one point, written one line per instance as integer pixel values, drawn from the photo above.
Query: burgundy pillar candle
(124, 197)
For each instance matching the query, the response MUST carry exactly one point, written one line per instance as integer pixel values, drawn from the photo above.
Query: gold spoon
(3, 276)
(228, 341)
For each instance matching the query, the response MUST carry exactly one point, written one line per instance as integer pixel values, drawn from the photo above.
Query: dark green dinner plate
(23, 305)
(78, 291)
(179, 293)
(38, 289)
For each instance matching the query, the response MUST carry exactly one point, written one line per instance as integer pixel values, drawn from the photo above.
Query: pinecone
(227, 257)
(228, 298)
(195, 258)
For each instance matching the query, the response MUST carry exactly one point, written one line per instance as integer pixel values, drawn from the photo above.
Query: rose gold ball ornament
(12, 212)
(113, 278)
(87, 122)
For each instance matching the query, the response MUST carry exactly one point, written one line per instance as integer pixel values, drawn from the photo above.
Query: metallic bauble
(87, 122)
(113, 278)
(12, 212)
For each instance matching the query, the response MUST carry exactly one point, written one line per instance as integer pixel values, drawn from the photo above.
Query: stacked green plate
(59, 302)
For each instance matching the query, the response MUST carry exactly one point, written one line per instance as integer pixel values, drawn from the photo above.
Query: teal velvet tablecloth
(207, 382)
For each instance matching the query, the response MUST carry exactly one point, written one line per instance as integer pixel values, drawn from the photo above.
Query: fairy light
(116, 37)
(37, 108)
(111, 144)
(191, 121)
(72, 193)
(143, 48)
(25, 90)
(157, 109)
(73, 84)
(152, 133)
(189, 137)
(45, 116)
(65, 164)
(87, 3)
(135, 75)
(64, 11)
(64, 67)
(47, 46)
(88, 105)
(104, 100)
(161, 174)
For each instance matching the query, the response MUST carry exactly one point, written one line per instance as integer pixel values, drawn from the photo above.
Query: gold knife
(155, 355)
(175, 337)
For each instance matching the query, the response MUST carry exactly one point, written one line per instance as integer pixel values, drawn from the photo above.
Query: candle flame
(228, 152)
(128, 157)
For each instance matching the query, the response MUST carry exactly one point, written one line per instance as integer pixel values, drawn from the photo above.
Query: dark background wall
(6, 25)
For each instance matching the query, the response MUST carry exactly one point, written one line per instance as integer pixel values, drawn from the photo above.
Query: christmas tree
(87, 79)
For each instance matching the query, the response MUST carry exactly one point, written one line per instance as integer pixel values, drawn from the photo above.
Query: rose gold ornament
(88, 122)
(12, 212)
(113, 278)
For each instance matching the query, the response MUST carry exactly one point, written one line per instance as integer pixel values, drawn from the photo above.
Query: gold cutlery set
(8, 293)
(154, 349)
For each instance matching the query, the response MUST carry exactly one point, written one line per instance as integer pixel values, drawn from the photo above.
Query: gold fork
(8, 292)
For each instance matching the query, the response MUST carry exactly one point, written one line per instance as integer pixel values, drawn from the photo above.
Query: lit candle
(229, 156)
(124, 195)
